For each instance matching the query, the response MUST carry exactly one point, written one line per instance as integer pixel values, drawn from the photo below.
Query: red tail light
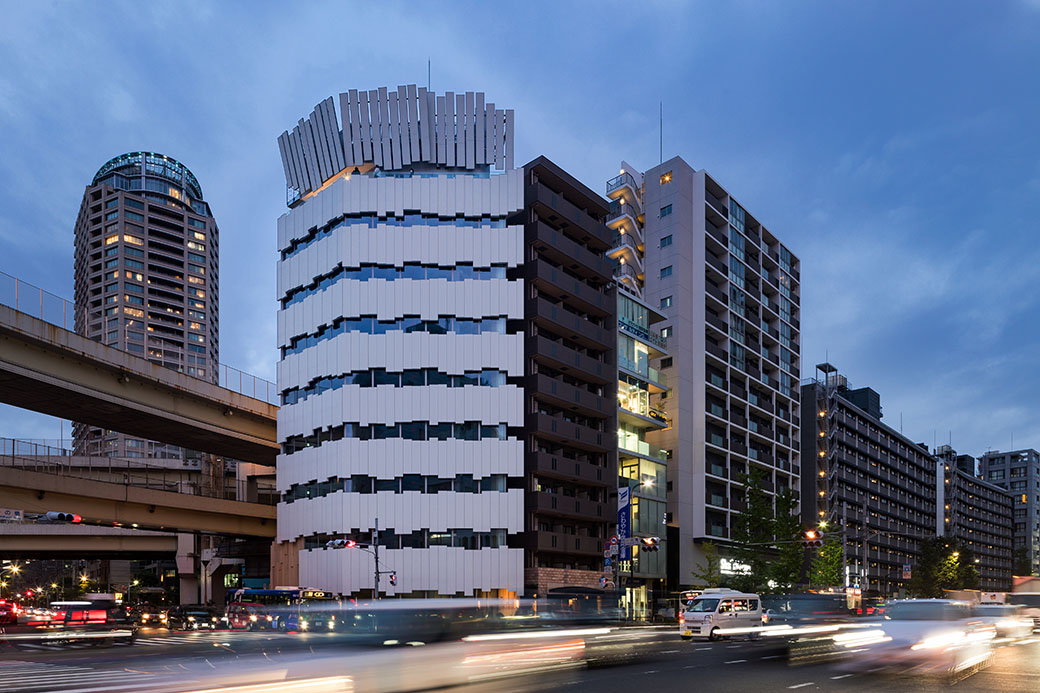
(682, 619)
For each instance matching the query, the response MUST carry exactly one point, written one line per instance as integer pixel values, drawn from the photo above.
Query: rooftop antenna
(900, 423)
(661, 132)
(429, 72)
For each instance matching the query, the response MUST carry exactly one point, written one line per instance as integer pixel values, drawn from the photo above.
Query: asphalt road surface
(655, 659)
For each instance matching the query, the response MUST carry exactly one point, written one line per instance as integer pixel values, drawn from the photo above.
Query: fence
(62, 313)
(195, 479)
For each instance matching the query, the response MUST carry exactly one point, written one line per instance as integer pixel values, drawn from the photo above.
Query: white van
(716, 610)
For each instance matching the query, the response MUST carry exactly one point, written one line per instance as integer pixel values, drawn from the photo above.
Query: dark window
(666, 241)
(666, 271)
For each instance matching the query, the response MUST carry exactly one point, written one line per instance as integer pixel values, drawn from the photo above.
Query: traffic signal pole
(375, 549)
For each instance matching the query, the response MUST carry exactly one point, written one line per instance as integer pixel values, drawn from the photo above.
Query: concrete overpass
(54, 371)
(132, 507)
(41, 541)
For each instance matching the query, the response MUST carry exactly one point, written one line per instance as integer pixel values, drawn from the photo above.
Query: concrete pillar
(187, 555)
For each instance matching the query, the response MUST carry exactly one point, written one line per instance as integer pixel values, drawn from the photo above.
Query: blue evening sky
(893, 146)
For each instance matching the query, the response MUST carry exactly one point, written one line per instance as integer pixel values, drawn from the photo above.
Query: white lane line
(670, 652)
(772, 657)
(733, 647)
(651, 671)
(801, 685)
(691, 666)
(735, 661)
(702, 649)
(838, 678)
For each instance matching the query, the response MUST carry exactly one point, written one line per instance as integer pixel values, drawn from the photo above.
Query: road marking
(733, 647)
(843, 676)
(801, 685)
(670, 652)
(772, 657)
(651, 671)
(702, 649)
(691, 666)
(735, 661)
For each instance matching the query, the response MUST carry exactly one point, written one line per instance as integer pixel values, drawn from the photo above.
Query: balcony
(564, 358)
(556, 466)
(640, 415)
(717, 322)
(569, 396)
(625, 248)
(716, 351)
(625, 217)
(570, 506)
(616, 186)
(718, 204)
(716, 293)
(561, 320)
(645, 335)
(558, 542)
(577, 435)
(644, 370)
(624, 274)
(641, 447)
(557, 209)
(557, 246)
(574, 290)
(717, 264)
(716, 499)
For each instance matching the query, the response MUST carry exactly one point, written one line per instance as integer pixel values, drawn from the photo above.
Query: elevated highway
(54, 371)
(40, 541)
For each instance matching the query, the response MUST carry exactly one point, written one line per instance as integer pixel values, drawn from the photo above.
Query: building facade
(979, 514)
(866, 480)
(729, 291)
(402, 338)
(642, 467)
(1019, 472)
(147, 278)
(570, 318)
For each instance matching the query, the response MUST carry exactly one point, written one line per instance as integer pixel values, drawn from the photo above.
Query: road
(165, 661)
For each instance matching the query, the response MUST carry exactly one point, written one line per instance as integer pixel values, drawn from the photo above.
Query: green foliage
(709, 572)
(766, 537)
(828, 565)
(786, 569)
(944, 564)
(1020, 565)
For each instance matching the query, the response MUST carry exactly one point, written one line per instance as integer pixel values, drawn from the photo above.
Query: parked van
(716, 610)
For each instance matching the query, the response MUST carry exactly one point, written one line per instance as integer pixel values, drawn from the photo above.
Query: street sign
(613, 550)
(907, 571)
(630, 541)
(10, 515)
(607, 562)
(614, 540)
(606, 554)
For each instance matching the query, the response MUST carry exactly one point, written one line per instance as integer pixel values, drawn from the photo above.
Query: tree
(967, 570)
(924, 578)
(828, 565)
(786, 569)
(752, 533)
(1021, 564)
(709, 572)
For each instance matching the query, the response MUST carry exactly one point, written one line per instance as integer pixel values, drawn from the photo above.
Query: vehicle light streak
(330, 683)
(537, 635)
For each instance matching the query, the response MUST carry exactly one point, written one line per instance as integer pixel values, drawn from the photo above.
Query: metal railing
(34, 301)
(148, 473)
(621, 181)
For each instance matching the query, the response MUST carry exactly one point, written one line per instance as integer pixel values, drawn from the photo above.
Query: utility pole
(375, 551)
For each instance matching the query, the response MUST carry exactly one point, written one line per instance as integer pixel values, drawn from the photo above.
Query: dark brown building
(570, 316)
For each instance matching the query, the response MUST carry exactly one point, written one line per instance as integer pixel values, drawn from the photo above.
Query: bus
(284, 608)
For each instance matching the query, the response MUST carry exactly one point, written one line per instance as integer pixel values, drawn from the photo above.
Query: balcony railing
(620, 182)
(641, 447)
(621, 209)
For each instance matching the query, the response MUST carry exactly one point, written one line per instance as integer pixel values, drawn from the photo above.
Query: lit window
(132, 239)
(194, 326)
(112, 239)
(196, 269)
(666, 302)
(196, 280)
(666, 178)
(133, 312)
(196, 338)
(199, 236)
(666, 332)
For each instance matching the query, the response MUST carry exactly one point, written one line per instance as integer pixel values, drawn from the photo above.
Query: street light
(956, 554)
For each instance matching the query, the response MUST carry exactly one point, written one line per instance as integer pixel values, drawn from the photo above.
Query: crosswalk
(194, 638)
(25, 676)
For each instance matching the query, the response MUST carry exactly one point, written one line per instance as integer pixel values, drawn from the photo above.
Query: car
(150, 615)
(95, 620)
(9, 612)
(717, 611)
(935, 636)
(1009, 620)
(194, 617)
(249, 616)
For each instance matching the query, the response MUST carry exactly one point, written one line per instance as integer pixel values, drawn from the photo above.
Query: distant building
(1019, 472)
(865, 480)
(146, 277)
(979, 514)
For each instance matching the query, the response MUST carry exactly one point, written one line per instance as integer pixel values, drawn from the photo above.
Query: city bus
(284, 608)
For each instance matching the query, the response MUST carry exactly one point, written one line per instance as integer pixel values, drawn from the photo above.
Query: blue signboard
(624, 523)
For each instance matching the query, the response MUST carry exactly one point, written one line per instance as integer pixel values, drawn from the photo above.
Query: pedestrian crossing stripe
(32, 676)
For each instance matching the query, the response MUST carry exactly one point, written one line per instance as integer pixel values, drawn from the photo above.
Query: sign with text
(624, 521)
(10, 515)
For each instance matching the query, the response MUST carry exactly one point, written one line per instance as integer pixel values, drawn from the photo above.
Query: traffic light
(812, 539)
(393, 578)
(63, 517)
(340, 544)
(650, 543)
